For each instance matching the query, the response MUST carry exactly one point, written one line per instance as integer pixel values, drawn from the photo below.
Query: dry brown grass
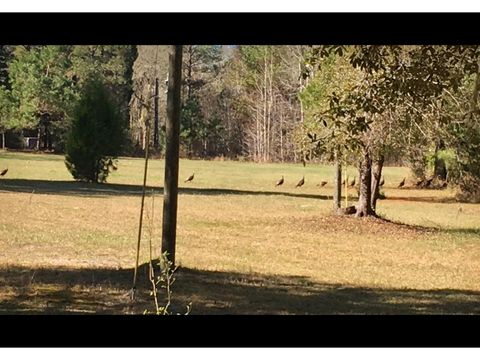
(243, 245)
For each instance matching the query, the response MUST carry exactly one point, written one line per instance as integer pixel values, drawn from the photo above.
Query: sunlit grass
(256, 229)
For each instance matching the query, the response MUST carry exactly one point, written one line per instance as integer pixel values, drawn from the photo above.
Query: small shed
(30, 142)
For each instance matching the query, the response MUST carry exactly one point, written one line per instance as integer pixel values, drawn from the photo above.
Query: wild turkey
(301, 182)
(382, 182)
(280, 182)
(419, 183)
(4, 171)
(322, 184)
(352, 183)
(190, 178)
(112, 165)
(402, 183)
(428, 182)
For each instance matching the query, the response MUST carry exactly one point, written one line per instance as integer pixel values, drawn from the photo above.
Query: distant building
(30, 142)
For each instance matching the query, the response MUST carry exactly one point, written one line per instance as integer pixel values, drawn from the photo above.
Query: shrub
(163, 281)
(96, 134)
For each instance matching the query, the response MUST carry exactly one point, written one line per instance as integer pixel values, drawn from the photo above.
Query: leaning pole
(172, 130)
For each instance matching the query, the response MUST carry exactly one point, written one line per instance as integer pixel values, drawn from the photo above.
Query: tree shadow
(71, 188)
(429, 199)
(74, 188)
(106, 291)
(453, 231)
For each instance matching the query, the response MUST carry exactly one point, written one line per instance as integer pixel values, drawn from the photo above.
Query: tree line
(40, 86)
(357, 105)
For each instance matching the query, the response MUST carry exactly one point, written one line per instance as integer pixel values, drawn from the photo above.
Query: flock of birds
(421, 183)
(323, 183)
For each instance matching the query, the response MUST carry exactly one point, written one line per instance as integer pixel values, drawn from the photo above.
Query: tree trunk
(189, 96)
(440, 168)
(476, 90)
(257, 139)
(172, 128)
(39, 137)
(265, 101)
(270, 108)
(144, 137)
(3, 140)
(377, 167)
(156, 141)
(364, 207)
(337, 186)
(281, 137)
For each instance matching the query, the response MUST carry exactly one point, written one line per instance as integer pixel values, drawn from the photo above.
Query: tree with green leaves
(401, 85)
(201, 65)
(96, 134)
(150, 73)
(268, 80)
(6, 55)
(112, 64)
(6, 112)
(46, 80)
(42, 91)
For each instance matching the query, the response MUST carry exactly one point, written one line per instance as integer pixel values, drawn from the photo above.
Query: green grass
(244, 246)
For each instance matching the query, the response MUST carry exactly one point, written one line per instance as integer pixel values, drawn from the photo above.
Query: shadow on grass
(453, 231)
(73, 188)
(106, 291)
(429, 199)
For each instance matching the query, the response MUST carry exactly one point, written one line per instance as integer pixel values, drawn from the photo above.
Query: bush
(96, 134)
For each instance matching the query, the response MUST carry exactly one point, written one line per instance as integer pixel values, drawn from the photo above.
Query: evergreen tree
(112, 64)
(6, 54)
(96, 135)
(42, 90)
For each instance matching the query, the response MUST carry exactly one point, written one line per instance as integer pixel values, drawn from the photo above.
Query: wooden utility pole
(172, 127)
(156, 141)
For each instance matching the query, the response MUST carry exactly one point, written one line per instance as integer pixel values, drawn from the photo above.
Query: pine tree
(96, 135)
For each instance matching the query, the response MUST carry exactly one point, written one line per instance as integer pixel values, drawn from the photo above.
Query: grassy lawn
(244, 246)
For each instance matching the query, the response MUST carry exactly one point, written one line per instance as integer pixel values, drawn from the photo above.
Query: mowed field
(244, 246)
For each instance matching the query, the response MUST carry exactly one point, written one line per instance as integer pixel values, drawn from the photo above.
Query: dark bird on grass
(352, 183)
(402, 183)
(418, 183)
(280, 182)
(428, 182)
(301, 182)
(382, 182)
(112, 165)
(4, 171)
(322, 184)
(190, 178)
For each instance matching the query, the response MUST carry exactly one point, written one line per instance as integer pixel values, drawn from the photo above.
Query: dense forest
(358, 105)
